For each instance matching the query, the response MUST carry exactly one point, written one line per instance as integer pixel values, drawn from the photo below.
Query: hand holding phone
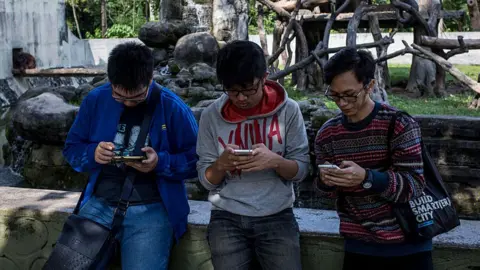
(104, 152)
(129, 158)
(242, 152)
(328, 166)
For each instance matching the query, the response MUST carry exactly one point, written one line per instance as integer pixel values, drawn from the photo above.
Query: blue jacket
(173, 133)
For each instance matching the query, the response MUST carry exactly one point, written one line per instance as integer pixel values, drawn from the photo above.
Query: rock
(162, 34)
(208, 86)
(45, 167)
(45, 118)
(173, 67)
(83, 91)
(196, 91)
(171, 10)
(321, 115)
(230, 20)
(97, 79)
(311, 105)
(160, 56)
(68, 93)
(182, 92)
(197, 47)
(202, 72)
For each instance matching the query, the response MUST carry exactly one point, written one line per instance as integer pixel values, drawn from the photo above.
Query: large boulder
(162, 34)
(196, 48)
(45, 118)
(202, 72)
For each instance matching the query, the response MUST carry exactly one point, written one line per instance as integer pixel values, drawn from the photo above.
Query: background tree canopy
(125, 17)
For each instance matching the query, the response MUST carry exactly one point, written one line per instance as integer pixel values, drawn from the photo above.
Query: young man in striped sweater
(370, 179)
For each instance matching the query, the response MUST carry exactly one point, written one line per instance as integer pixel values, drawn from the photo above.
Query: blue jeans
(236, 241)
(145, 237)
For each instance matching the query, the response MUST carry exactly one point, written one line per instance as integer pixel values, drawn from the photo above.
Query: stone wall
(31, 221)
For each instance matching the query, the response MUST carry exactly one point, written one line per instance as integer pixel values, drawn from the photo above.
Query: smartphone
(243, 152)
(328, 166)
(129, 158)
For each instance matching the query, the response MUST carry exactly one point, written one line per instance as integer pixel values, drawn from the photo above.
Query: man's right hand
(228, 161)
(104, 152)
(323, 173)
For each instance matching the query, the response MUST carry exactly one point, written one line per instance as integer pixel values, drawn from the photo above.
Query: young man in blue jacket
(158, 207)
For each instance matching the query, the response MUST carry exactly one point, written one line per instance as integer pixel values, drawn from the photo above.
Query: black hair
(239, 63)
(130, 65)
(350, 59)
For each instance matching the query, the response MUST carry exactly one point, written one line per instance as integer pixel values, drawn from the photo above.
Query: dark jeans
(237, 242)
(417, 261)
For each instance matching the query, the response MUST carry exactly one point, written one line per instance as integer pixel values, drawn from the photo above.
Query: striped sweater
(366, 215)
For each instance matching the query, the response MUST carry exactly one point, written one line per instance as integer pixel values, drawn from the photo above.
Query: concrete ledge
(31, 220)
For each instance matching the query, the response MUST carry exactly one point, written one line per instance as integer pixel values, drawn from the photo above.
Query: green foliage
(457, 24)
(268, 20)
(125, 17)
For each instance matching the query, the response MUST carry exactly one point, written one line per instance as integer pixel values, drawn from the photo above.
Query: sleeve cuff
(163, 160)
(91, 155)
(379, 180)
(204, 181)
(301, 172)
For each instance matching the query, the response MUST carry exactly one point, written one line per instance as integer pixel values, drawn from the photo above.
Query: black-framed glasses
(246, 92)
(346, 98)
(142, 97)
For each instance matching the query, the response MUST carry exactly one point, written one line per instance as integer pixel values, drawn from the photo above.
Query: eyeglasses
(346, 98)
(246, 92)
(143, 96)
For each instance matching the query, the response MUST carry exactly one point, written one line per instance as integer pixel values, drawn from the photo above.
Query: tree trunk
(423, 72)
(382, 75)
(261, 30)
(230, 20)
(474, 13)
(103, 14)
(278, 31)
(170, 10)
(76, 20)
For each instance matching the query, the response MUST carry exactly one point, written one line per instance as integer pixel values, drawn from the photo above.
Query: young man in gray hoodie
(251, 194)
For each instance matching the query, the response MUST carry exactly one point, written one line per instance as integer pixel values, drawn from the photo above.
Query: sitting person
(370, 178)
(252, 193)
(108, 124)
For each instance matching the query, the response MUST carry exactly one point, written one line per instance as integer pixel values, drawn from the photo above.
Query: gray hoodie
(282, 130)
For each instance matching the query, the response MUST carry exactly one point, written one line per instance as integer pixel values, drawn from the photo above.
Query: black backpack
(431, 213)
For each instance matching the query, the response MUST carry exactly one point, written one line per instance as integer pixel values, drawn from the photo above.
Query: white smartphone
(243, 152)
(328, 166)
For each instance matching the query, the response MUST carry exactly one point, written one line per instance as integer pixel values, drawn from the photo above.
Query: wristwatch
(368, 181)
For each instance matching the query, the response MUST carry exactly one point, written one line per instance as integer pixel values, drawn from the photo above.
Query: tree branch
(444, 43)
(331, 20)
(285, 37)
(321, 52)
(414, 12)
(355, 21)
(280, 11)
(463, 49)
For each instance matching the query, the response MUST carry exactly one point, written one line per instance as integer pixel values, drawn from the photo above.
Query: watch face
(367, 185)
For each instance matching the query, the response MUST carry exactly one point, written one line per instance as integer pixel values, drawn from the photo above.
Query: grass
(451, 105)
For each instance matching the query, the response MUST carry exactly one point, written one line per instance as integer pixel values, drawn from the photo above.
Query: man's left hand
(349, 175)
(148, 164)
(262, 159)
